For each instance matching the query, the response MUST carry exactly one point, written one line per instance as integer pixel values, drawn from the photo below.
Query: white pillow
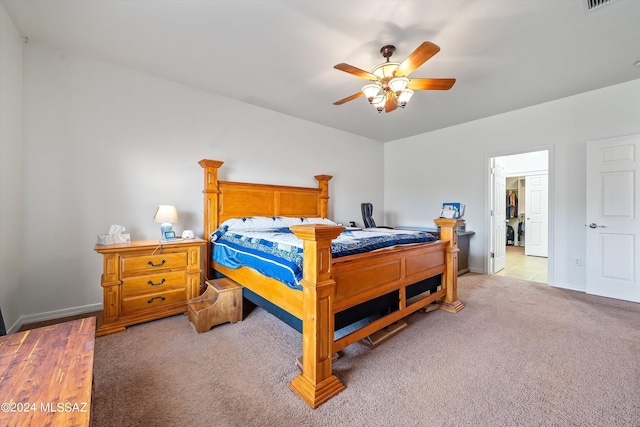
(318, 221)
(264, 223)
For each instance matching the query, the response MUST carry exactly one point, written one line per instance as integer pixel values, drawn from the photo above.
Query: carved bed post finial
(449, 232)
(211, 206)
(323, 200)
(317, 384)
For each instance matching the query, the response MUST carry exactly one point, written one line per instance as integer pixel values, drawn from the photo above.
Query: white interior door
(536, 215)
(612, 218)
(499, 210)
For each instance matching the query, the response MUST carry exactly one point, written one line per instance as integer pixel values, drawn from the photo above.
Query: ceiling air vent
(590, 5)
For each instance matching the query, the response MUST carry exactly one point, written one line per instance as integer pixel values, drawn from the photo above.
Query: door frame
(551, 206)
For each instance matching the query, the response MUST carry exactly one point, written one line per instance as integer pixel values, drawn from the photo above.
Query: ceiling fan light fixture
(372, 91)
(404, 97)
(398, 84)
(385, 70)
(389, 85)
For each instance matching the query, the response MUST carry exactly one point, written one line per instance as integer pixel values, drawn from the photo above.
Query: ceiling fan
(390, 86)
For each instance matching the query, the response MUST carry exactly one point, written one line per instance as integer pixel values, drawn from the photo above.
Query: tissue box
(112, 239)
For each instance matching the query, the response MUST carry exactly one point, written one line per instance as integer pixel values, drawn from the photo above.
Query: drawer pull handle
(156, 265)
(156, 284)
(151, 300)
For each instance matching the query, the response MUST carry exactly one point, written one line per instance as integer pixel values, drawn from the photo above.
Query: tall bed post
(449, 232)
(323, 200)
(211, 206)
(317, 384)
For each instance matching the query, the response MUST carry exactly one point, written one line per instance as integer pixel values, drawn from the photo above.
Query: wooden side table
(463, 255)
(147, 280)
(220, 303)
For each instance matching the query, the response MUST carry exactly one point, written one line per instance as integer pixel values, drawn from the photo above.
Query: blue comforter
(277, 252)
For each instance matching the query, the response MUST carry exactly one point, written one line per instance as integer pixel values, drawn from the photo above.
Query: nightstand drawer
(153, 301)
(152, 283)
(147, 263)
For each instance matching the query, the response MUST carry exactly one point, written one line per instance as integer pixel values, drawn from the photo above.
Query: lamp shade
(379, 102)
(372, 91)
(404, 97)
(166, 213)
(398, 84)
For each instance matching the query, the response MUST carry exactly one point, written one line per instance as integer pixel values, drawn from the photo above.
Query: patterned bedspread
(269, 246)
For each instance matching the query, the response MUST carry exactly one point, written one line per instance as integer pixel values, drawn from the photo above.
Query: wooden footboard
(330, 286)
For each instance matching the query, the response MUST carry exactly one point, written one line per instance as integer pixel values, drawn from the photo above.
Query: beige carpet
(519, 354)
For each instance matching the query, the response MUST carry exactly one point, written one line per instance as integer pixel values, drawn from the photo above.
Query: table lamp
(166, 215)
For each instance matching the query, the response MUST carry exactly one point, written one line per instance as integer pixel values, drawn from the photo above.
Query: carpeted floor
(519, 354)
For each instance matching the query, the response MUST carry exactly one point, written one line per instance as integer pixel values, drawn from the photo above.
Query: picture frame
(456, 207)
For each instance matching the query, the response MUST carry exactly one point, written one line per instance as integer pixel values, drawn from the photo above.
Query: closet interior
(515, 214)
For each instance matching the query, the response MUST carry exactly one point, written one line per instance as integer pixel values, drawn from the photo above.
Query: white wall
(11, 225)
(418, 180)
(105, 145)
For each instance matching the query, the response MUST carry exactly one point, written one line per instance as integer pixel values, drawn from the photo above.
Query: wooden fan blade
(349, 98)
(431, 84)
(356, 71)
(418, 57)
(391, 103)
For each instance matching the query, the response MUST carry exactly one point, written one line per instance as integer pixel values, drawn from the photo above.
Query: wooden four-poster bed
(329, 285)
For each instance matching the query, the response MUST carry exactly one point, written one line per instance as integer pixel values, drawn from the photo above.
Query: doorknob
(594, 225)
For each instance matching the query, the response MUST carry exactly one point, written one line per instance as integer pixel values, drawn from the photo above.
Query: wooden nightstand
(146, 280)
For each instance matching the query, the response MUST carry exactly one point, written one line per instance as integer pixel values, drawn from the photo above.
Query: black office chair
(367, 216)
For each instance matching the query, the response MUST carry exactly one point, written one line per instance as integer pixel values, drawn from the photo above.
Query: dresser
(147, 280)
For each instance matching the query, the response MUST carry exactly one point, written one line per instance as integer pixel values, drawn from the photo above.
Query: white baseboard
(32, 318)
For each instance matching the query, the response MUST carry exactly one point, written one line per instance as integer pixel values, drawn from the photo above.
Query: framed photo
(456, 207)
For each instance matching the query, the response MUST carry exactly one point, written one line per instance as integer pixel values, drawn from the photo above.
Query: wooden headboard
(226, 199)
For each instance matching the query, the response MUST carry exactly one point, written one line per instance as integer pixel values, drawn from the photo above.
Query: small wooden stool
(220, 303)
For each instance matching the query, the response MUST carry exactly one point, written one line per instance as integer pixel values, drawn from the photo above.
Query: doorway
(519, 216)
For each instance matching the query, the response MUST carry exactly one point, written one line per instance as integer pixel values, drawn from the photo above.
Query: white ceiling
(279, 54)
